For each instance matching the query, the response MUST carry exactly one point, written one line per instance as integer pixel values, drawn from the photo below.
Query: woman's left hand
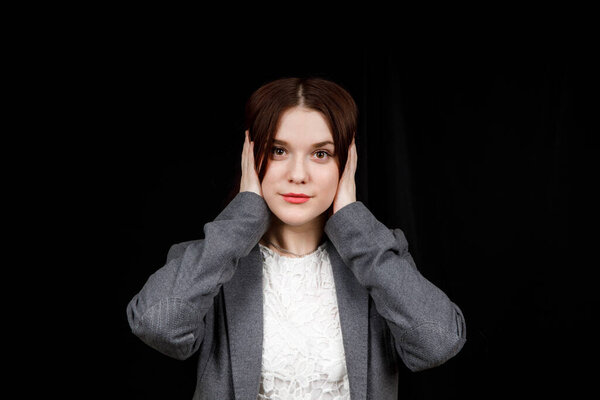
(346, 191)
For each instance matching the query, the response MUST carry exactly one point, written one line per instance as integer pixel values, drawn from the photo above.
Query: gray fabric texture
(208, 298)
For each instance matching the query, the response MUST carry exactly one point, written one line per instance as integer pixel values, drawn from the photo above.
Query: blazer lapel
(353, 305)
(244, 310)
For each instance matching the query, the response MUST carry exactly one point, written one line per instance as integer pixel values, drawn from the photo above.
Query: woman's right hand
(250, 181)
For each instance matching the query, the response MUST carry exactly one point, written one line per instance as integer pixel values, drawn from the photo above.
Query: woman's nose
(297, 171)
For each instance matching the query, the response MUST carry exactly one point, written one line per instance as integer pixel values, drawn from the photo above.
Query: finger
(351, 164)
(346, 166)
(251, 160)
(245, 152)
(250, 157)
(260, 161)
(354, 155)
(351, 160)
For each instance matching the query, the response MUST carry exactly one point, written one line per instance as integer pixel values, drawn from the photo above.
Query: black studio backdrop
(465, 150)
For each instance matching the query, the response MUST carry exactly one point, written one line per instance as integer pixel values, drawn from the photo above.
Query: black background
(464, 143)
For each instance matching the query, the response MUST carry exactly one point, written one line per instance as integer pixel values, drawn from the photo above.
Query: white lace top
(303, 353)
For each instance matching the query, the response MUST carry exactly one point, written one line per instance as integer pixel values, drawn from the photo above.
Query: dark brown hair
(268, 103)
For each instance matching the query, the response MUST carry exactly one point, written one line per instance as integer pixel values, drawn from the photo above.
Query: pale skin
(301, 171)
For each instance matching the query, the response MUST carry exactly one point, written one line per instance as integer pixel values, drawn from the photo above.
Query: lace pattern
(303, 352)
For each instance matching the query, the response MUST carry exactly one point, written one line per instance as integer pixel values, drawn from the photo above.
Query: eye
(323, 153)
(278, 151)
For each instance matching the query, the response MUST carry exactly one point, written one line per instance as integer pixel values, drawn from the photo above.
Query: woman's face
(301, 163)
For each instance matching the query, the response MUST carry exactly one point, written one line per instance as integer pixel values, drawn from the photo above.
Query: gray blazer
(208, 297)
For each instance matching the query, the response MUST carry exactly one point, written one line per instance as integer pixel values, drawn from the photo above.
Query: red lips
(295, 195)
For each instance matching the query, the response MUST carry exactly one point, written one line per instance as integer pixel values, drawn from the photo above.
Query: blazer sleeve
(168, 313)
(427, 328)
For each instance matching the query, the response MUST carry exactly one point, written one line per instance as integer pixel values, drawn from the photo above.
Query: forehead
(303, 126)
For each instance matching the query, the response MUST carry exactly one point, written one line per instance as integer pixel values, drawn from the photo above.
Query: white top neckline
(273, 253)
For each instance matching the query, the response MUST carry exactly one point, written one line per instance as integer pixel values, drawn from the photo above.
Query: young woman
(296, 290)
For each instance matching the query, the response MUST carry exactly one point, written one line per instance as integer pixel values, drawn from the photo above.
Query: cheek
(330, 181)
(269, 179)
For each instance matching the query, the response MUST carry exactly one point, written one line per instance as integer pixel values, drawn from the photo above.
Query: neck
(299, 240)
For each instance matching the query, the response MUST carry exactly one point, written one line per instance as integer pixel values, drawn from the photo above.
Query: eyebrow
(320, 144)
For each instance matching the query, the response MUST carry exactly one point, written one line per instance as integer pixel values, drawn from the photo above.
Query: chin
(296, 215)
(295, 218)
